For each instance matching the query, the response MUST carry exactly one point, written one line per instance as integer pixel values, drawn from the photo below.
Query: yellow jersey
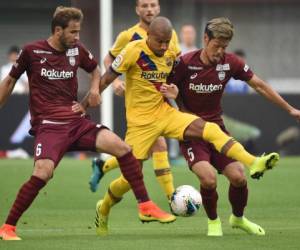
(145, 72)
(137, 33)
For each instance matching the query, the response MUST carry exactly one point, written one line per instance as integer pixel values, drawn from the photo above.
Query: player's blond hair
(220, 28)
(63, 15)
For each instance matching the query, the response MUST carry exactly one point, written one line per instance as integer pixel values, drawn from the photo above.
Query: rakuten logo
(201, 88)
(56, 75)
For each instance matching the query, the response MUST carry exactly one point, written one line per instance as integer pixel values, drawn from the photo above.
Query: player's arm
(6, 87)
(94, 98)
(109, 76)
(169, 91)
(118, 84)
(265, 90)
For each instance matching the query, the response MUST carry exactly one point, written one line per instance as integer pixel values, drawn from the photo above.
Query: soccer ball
(186, 201)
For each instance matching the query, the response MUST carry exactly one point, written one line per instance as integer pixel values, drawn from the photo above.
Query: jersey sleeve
(21, 65)
(176, 43)
(124, 60)
(241, 71)
(120, 43)
(87, 61)
(178, 72)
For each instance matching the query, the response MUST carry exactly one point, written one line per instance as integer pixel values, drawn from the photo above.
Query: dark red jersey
(52, 79)
(201, 87)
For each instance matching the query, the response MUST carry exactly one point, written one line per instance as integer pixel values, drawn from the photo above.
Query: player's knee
(43, 169)
(208, 182)
(122, 149)
(238, 180)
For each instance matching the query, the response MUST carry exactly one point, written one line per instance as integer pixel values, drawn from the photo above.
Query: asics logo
(193, 76)
(43, 60)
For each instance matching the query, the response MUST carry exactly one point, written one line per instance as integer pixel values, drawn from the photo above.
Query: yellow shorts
(171, 124)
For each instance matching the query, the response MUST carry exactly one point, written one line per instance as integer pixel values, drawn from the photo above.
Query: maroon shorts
(52, 141)
(200, 150)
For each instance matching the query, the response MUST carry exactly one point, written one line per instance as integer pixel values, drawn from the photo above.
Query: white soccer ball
(186, 201)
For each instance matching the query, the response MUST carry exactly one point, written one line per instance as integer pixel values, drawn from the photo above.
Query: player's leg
(225, 144)
(161, 166)
(108, 142)
(238, 196)
(43, 171)
(198, 156)
(208, 189)
(46, 157)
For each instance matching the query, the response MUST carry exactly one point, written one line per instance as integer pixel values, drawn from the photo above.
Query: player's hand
(296, 114)
(78, 108)
(118, 87)
(94, 98)
(169, 90)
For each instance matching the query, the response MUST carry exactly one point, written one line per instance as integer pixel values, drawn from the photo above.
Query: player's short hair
(220, 27)
(138, 1)
(63, 15)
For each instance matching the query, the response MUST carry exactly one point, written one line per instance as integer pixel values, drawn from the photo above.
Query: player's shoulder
(37, 47)
(190, 57)
(136, 45)
(35, 44)
(231, 58)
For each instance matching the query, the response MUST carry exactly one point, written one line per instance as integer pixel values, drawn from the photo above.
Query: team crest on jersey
(221, 75)
(169, 61)
(223, 67)
(72, 60)
(72, 52)
(145, 63)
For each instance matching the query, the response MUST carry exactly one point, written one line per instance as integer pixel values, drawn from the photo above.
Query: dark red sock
(209, 199)
(238, 197)
(25, 197)
(132, 171)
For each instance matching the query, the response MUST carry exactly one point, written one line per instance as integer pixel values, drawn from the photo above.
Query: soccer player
(147, 10)
(201, 77)
(147, 64)
(51, 66)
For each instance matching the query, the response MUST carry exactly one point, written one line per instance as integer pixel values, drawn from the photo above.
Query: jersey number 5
(191, 154)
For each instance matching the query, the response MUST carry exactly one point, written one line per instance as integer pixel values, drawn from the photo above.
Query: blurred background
(267, 31)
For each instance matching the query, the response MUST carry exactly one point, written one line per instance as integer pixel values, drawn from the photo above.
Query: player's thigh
(235, 173)
(51, 142)
(160, 145)
(176, 122)
(109, 142)
(141, 139)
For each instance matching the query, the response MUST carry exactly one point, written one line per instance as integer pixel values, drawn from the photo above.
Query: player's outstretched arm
(265, 90)
(6, 87)
(106, 79)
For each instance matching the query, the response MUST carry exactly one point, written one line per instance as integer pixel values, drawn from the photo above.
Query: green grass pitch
(62, 217)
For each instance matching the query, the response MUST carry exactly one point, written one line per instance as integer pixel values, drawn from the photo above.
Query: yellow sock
(213, 134)
(163, 172)
(116, 190)
(110, 164)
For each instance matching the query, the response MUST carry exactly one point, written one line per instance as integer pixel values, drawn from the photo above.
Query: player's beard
(63, 42)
